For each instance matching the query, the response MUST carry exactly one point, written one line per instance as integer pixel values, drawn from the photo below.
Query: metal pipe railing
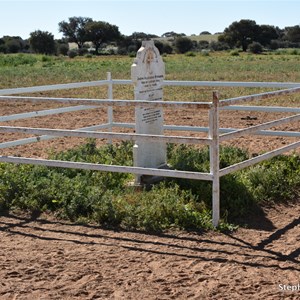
(213, 140)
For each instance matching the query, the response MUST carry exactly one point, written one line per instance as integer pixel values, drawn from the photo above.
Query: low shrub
(275, 180)
(160, 208)
(235, 52)
(190, 54)
(107, 198)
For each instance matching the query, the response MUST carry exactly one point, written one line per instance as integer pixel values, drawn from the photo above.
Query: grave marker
(147, 74)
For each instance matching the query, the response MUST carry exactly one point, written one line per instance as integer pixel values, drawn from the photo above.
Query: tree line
(99, 37)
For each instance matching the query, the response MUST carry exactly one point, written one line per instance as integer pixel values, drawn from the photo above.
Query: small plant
(235, 53)
(46, 58)
(190, 54)
(132, 54)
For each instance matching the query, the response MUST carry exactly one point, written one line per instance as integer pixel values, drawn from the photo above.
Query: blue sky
(19, 18)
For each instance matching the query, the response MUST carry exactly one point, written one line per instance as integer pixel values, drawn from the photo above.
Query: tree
(183, 44)
(13, 44)
(143, 36)
(241, 34)
(2, 46)
(172, 34)
(292, 34)
(75, 30)
(267, 34)
(205, 33)
(42, 42)
(101, 32)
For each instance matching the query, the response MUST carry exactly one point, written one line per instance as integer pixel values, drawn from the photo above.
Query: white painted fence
(215, 136)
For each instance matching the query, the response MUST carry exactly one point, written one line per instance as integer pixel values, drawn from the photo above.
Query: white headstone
(147, 73)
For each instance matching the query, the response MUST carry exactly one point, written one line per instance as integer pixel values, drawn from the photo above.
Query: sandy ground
(76, 120)
(45, 258)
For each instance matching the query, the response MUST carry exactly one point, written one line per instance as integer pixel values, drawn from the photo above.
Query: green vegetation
(28, 70)
(205, 37)
(42, 42)
(102, 38)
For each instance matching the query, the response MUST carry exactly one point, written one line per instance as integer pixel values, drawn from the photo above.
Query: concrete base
(146, 181)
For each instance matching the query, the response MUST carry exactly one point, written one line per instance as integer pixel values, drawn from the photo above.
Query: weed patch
(108, 199)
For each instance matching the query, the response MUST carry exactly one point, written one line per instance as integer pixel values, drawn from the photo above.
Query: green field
(22, 70)
(27, 69)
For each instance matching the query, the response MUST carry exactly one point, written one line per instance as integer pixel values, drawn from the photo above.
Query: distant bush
(205, 33)
(82, 51)
(72, 53)
(63, 49)
(255, 48)
(122, 51)
(13, 46)
(203, 45)
(159, 45)
(183, 44)
(274, 45)
(167, 48)
(3, 48)
(218, 46)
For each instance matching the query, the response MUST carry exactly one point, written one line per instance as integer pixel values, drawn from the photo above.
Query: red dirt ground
(76, 120)
(45, 258)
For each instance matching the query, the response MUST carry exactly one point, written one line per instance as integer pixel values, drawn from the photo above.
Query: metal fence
(215, 134)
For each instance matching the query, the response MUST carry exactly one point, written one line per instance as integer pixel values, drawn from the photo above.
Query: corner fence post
(214, 157)
(110, 117)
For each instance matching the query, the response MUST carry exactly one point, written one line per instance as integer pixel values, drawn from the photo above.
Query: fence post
(214, 157)
(110, 117)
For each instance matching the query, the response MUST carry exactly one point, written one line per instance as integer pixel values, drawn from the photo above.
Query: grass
(29, 70)
(20, 70)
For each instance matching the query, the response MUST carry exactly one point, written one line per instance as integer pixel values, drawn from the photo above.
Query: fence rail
(109, 80)
(216, 135)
